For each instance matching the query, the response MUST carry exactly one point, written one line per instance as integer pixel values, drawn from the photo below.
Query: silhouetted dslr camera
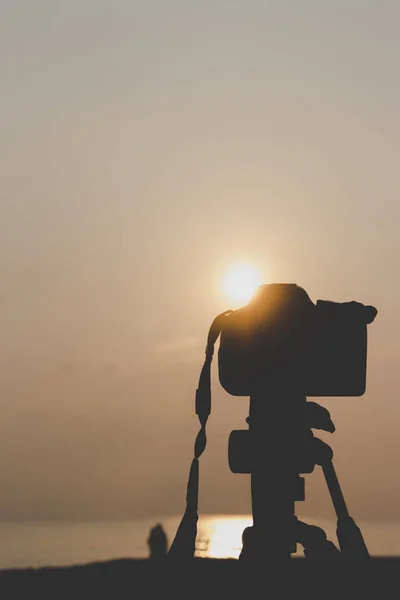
(281, 337)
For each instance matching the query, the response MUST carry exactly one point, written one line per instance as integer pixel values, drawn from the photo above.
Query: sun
(240, 282)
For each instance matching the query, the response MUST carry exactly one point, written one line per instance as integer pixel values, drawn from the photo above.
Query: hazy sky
(145, 146)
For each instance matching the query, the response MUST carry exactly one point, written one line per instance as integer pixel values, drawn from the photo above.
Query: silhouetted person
(158, 543)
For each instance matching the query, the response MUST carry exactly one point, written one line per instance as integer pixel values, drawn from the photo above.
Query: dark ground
(376, 578)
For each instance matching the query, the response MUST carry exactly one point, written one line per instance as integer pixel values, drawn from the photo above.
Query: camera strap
(184, 544)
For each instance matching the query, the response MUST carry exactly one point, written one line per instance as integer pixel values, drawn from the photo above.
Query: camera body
(282, 338)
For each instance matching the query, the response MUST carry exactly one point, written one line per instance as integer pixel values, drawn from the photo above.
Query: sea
(45, 544)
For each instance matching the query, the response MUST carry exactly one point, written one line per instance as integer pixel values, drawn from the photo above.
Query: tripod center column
(276, 424)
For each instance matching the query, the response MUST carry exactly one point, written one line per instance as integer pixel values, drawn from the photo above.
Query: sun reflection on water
(221, 536)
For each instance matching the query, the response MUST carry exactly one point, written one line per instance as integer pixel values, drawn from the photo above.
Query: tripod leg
(315, 543)
(349, 536)
(312, 538)
(335, 490)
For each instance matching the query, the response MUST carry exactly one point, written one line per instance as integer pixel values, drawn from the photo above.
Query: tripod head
(279, 349)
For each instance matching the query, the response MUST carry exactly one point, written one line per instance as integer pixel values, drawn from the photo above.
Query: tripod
(279, 447)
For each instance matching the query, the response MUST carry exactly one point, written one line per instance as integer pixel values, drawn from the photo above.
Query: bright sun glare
(240, 283)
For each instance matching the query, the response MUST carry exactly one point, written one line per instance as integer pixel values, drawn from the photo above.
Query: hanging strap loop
(184, 544)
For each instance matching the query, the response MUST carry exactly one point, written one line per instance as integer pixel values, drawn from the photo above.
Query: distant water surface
(61, 543)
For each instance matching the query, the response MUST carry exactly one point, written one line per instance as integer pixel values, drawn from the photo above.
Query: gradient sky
(145, 147)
